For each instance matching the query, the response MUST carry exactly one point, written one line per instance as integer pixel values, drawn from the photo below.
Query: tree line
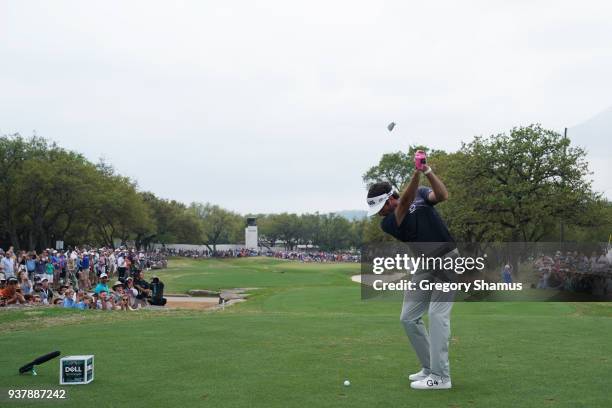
(530, 184)
(49, 194)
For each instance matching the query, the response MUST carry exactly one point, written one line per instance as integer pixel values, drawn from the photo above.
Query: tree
(55, 189)
(372, 233)
(310, 229)
(14, 151)
(48, 193)
(521, 184)
(120, 211)
(174, 222)
(287, 228)
(335, 232)
(593, 224)
(218, 225)
(267, 230)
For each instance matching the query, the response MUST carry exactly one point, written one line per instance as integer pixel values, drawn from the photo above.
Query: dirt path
(188, 302)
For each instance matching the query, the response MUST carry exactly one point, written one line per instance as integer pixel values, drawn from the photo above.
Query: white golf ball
(347, 383)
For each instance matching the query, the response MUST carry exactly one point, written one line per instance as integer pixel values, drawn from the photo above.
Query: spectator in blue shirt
(103, 285)
(31, 266)
(80, 302)
(69, 299)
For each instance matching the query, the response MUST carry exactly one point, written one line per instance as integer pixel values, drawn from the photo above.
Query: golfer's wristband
(426, 172)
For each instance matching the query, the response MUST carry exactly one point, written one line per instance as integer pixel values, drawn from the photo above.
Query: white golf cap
(376, 204)
(103, 275)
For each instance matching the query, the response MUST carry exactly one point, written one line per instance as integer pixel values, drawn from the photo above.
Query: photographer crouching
(152, 292)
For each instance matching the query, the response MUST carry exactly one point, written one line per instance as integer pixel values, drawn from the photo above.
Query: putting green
(303, 332)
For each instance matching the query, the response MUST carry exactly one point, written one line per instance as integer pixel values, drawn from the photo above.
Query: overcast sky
(269, 106)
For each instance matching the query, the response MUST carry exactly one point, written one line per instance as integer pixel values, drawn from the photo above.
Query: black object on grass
(38, 361)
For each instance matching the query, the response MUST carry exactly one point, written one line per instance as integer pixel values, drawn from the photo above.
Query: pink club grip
(420, 160)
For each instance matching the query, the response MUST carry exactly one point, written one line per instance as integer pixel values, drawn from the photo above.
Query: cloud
(278, 106)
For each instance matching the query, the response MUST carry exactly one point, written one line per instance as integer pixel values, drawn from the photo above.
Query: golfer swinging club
(412, 218)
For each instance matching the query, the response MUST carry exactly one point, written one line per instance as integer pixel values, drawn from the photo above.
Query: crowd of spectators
(316, 256)
(205, 253)
(109, 279)
(81, 278)
(303, 256)
(574, 271)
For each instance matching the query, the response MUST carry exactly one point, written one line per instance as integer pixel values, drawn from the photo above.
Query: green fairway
(301, 334)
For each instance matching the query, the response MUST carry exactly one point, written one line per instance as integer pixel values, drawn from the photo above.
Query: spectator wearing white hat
(102, 285)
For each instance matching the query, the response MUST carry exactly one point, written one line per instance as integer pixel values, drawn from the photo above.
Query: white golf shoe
(421, 375)
(432, 382)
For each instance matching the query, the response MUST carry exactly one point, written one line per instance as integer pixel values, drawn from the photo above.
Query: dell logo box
(77, 370)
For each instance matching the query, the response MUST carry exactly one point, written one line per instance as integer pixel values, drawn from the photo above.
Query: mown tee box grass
(299, 336)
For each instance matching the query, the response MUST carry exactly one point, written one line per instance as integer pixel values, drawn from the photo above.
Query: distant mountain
(352, 214)
(595, 135)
